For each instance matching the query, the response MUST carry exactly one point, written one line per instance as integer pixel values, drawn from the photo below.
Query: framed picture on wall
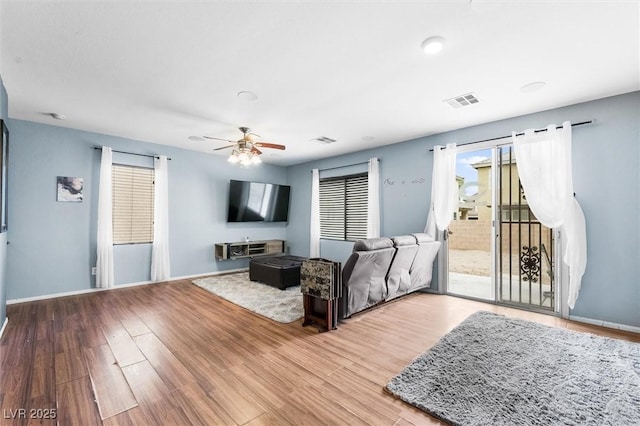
(70, 189)
(4, 161)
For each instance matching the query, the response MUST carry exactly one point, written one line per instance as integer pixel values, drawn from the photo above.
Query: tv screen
(258, 202)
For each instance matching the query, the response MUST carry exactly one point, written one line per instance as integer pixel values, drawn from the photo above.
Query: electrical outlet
(93, 270)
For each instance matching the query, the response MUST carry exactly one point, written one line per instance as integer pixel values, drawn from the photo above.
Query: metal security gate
(525, 257)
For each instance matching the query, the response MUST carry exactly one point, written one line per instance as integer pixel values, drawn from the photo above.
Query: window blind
(132, 204)
(343, 207)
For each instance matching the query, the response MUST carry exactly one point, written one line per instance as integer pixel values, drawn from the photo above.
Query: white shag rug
(494, 370)
(283, 306)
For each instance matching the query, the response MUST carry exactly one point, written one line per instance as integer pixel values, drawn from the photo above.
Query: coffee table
(277, 271)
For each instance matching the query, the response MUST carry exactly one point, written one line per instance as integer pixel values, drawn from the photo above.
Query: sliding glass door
(470, 236)
(497, 250)
(525, 246)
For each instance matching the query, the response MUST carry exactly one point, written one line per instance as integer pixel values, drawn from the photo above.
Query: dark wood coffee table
(277, 271)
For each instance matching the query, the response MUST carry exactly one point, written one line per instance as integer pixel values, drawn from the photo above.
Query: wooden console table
(247, 249)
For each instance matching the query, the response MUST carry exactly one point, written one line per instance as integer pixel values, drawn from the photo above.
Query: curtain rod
(519, 134)
(132, 153)
(342, 167)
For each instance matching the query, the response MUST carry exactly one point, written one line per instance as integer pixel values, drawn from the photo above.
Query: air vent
(324, 140)
(462, 100)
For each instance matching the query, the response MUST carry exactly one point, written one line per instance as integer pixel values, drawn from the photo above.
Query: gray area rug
(279, 305)
(494, 370)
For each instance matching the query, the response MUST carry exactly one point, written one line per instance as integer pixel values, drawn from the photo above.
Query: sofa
(381, 269)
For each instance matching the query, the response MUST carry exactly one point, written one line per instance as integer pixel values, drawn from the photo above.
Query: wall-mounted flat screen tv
(258, 202)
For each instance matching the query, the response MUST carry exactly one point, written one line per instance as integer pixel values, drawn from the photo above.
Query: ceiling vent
(324, 140)
(462, 100)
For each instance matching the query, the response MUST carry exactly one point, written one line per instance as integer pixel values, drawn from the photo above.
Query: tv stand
(248, 249)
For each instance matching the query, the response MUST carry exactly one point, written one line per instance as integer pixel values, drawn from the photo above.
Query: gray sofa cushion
(364, 275)
(398, 279)
(372, 244)
(404, 240)
(422, 237)
(422, 269)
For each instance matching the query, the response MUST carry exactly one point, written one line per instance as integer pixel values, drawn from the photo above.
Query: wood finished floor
(173, 353)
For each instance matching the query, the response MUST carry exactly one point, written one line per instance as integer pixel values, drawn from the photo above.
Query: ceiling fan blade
(218, 139)
(270, 145)
(224, 147)
(255, 150)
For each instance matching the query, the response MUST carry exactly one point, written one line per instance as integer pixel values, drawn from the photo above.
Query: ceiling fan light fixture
(246, 152)
(244, 157)
(432, 45)
(233, 158)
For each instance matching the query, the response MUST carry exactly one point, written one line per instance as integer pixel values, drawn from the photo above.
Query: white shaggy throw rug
(494, 370)
(279, 305)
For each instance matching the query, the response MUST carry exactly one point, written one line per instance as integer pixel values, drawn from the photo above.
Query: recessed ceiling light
(196, 138)
(58, 116)
(245, 95)
(432, 45)
(533, 87)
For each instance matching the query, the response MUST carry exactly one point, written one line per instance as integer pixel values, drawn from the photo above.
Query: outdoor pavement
(470, 275)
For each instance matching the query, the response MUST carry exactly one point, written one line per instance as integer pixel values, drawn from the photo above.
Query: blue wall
(4, 101)
(53, 244)
(606, 179)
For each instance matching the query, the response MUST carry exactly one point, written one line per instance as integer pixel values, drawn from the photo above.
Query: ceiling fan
(245, 150)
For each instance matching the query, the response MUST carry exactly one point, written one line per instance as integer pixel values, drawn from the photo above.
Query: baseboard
(4, 325)
(228, 271)
(93, 290)
(616, 326)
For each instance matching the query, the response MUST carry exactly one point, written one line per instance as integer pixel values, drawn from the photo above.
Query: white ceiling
(352, 71)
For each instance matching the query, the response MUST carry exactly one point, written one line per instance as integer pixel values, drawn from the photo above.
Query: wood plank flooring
(172, 353)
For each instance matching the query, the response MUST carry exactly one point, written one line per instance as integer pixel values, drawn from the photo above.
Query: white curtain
(314, 231)
(373, 208)
(160, 264)
(444, 189)
(545, 169)
(104, 261)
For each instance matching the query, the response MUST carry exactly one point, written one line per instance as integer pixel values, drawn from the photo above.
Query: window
(132, 204)
(343, 207)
